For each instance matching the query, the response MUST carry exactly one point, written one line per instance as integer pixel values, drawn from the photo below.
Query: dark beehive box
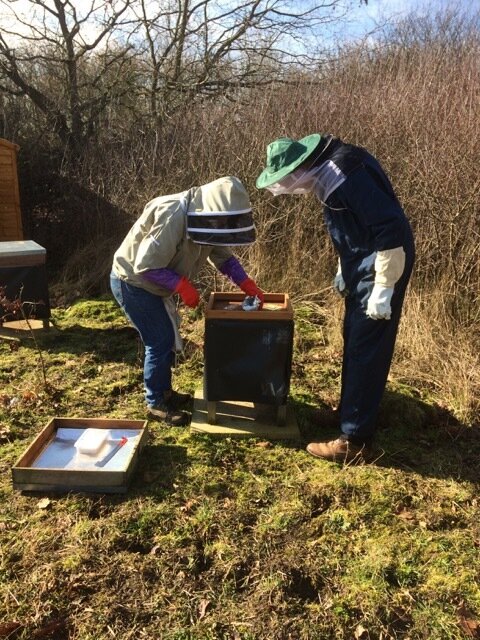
(23, 274)
(248, 354)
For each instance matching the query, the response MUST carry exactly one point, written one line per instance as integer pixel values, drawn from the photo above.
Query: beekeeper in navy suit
(375, 245)
(160, 256)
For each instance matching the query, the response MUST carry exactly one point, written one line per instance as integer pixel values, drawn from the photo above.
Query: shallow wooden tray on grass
(60, 473)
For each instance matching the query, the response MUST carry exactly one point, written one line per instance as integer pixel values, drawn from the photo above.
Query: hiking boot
(176, 399)
(340, 450)
(166, 412)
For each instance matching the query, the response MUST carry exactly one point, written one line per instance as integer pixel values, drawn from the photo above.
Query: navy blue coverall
(363, 216)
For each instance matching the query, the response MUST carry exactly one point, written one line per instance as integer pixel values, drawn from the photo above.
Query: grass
(235, 539)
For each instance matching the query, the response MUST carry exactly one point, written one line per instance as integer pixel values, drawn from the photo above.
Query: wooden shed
(10, 214)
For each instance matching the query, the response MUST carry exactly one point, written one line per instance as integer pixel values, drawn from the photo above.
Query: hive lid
(12, 248)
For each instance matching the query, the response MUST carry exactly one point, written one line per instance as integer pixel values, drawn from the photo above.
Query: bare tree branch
(48, 41)
(72, 59)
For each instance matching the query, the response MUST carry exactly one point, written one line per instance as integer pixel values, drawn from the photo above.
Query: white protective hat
(220, 213)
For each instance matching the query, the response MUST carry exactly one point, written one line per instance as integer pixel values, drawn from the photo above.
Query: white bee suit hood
(219, 213)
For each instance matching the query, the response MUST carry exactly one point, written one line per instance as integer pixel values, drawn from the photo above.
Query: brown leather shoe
(340, 450)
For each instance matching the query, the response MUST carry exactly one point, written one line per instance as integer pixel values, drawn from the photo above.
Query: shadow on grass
(161, 467)
(115, 344)
(412, 435)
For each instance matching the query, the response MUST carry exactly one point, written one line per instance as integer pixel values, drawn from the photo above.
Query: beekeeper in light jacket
(161, 255)
(374, 242)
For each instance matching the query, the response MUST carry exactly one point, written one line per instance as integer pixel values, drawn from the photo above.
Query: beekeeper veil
(219, 213)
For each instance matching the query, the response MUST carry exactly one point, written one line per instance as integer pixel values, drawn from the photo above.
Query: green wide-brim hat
(284, 155)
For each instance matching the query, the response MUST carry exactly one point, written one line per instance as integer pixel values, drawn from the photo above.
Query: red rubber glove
(187, 292)
(249, 286)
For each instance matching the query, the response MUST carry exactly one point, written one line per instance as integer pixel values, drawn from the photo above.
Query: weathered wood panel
(10, 213)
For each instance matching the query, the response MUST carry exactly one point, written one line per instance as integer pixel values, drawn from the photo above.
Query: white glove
(378, 306)
(339, 283)
(389, 266)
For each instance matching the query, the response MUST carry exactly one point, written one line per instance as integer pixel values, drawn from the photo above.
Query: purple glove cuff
(233, 270)
(166, 278)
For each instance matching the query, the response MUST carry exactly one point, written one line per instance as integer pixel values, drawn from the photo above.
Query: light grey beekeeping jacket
(159, 238)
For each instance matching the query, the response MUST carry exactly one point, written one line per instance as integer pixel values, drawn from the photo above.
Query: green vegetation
(234, 539)
(245, 540)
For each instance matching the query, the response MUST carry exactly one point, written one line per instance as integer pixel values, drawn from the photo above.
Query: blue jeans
(148, 315)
